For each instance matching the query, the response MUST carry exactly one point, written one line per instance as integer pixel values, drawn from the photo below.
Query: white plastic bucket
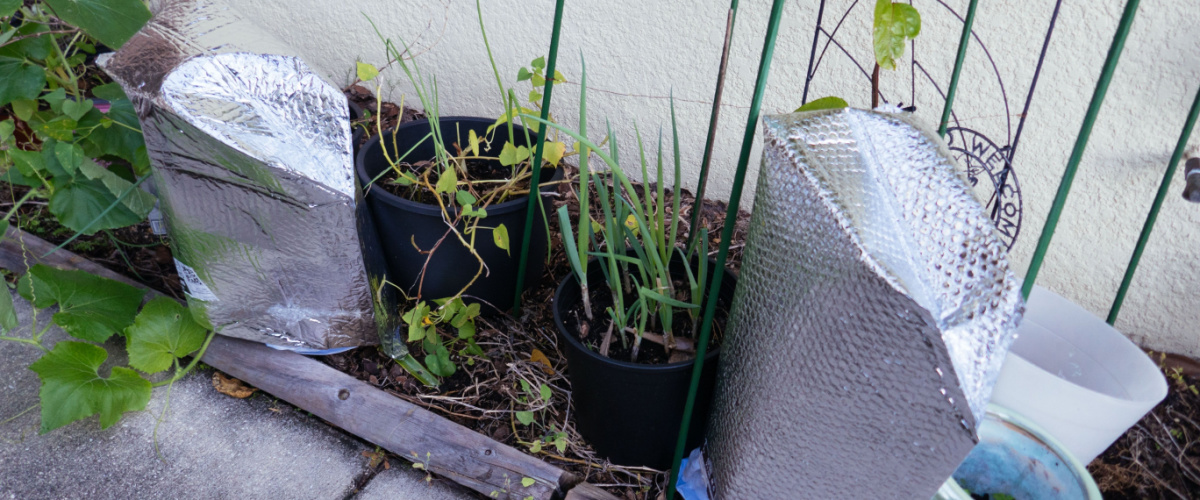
(1077, 377)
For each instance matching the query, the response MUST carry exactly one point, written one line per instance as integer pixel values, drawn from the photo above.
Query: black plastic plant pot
(356, 130)
(631, 412)
(408, 228)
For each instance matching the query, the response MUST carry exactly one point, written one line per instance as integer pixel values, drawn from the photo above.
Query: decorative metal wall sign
(988, 161)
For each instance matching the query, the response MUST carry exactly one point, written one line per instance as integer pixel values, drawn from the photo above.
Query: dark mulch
(1158, 457)
(1155, 459)
(133, 251)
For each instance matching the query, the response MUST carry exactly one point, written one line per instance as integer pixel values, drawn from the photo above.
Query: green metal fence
(752, 120)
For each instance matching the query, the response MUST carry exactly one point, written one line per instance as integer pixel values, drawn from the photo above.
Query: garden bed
(1153, 460)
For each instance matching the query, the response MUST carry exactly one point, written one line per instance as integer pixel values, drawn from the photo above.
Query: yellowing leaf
(500, 236)
(447, 182)
(512, 155)
(631, 223)
(554, 152)
(537, 356)
(473, 140)
(366, 71)
(527, 481)
(232, 387)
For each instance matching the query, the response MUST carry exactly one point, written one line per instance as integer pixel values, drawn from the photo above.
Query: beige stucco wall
(638, 51)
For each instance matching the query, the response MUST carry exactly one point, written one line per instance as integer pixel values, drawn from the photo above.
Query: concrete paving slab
(209, 445)
(402, 482)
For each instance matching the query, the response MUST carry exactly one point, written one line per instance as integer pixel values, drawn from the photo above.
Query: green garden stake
(958, 64)
(1148, 227)
(1064, 186)
(735, 198)
(535, 198)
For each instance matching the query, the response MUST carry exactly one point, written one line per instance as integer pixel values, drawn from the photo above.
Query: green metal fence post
(1064, 186)
(535, 198)
(958, 64)
(735, 198)
(1148, 227)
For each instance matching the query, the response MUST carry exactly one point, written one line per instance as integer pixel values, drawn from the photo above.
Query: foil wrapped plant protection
(874, 310)
(251, 160)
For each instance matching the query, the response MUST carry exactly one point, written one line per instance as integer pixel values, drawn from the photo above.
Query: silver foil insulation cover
(874, 309)
(251, 159)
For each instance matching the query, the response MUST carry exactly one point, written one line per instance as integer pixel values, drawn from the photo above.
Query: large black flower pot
(406, 228)
(356, 131)
(631, 412)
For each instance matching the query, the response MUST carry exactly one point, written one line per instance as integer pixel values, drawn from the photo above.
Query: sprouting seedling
(895, 24)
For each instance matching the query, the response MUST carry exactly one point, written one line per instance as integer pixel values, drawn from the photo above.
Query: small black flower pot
(406, 227)
(631, 412)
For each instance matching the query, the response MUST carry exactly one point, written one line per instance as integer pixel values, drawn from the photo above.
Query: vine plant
(444, 324)
(66, 134)
(895, 24)
(92, 310)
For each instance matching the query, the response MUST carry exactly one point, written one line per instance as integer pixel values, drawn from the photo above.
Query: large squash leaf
(113, 22)
(162, 332)
(72, 387)
(20, 81)
(89, 307)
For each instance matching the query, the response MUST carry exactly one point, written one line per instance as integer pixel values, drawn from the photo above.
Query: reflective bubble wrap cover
(873, 311)
(250, 153)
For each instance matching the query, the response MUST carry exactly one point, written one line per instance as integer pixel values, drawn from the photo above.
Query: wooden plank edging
(441, 446)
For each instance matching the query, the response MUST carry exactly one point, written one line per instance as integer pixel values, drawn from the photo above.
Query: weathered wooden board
(441, 446)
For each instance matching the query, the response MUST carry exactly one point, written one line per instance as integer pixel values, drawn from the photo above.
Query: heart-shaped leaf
(512, 155)
(24, 108)
(439, 362)
(21, 81)
(366, 71)
(87, 206)
(554, 152)
(72, 387)
(525, 417)
(447, 182)
(500, 237)
(464, 197)
(69, 156)
(29, 163)
(161, 333)
(76, 109)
